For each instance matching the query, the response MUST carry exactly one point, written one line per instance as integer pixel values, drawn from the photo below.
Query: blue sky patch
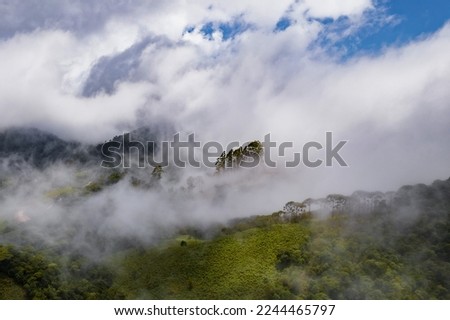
(189, 29)
(412, 19)
(283, 24)
(229, 29)
(207, 30)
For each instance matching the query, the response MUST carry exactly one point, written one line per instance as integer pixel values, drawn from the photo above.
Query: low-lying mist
(83, 207)
(89, 208)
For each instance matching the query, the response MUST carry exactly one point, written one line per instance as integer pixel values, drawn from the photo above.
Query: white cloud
(336, 8)
(259, 82)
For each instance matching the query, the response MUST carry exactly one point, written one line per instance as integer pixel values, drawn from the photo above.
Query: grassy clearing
(236, 266)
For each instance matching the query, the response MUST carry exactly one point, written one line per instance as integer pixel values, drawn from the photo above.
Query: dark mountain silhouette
(40, 148)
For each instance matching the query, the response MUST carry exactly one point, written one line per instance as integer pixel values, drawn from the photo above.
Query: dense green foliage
(237, 266)
(342, 257)
(244, 156)
(399, 250)
(34, 274)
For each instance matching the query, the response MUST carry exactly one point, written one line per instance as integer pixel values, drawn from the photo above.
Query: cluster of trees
(44, 275)
(242, 156)
(400, 250)
(395, 251)
(103, 179)
(368, 257)
(295, 211)
(294, 208)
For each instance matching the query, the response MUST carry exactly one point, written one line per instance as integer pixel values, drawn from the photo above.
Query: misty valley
(71, 229)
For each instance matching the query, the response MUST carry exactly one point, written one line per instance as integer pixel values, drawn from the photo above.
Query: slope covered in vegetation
(398, 251)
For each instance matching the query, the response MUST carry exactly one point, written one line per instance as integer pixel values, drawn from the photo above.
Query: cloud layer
(86, 73)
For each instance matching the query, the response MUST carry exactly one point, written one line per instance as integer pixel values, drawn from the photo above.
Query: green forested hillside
(395, 251)
(242, 265)
(312, 259)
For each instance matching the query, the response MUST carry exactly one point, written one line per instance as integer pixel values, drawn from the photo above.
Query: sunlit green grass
(237, 266)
